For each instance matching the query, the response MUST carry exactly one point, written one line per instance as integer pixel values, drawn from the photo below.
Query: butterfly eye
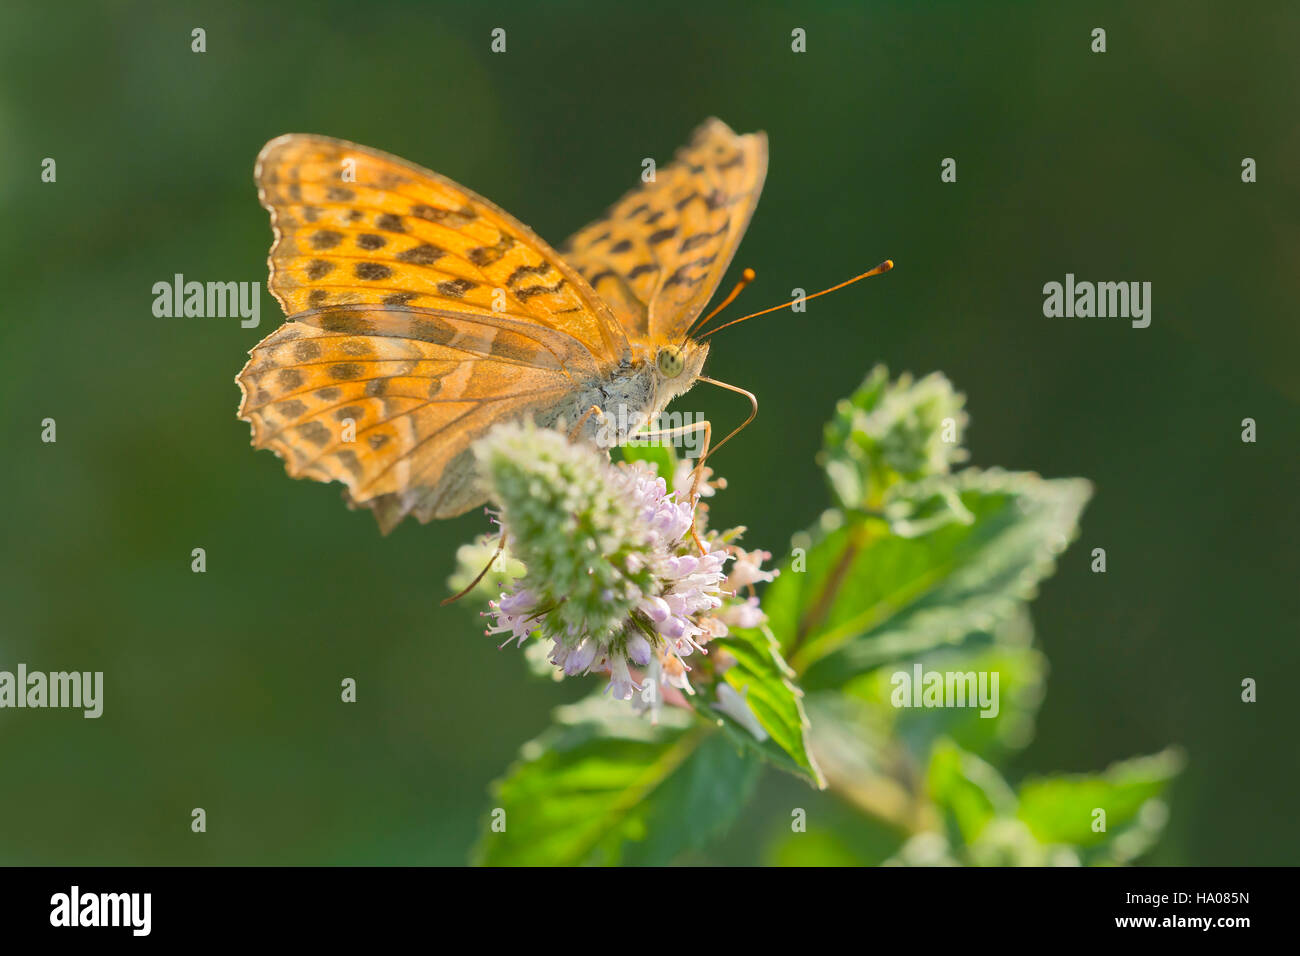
(669, 362)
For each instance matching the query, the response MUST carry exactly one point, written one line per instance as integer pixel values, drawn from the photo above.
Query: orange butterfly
(421, 314)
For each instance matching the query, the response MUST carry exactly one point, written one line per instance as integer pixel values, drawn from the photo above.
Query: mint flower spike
(889, 432)
(613, 578)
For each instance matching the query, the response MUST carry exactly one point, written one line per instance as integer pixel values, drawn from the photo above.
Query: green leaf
(605, 786)
(1013, 675)
(970, 791)
(765, 682)
(862, 763)
(874, 752)
(869, 597)
(818, 847)
(843, 839)
(1059, 809)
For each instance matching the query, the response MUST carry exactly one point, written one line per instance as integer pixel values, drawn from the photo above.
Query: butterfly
(420, 314)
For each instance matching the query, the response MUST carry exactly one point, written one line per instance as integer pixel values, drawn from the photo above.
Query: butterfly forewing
(357, 226)
(658, 254)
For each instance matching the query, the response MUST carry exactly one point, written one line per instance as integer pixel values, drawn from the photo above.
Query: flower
(747, 570)
(743, 615)
(615, 579)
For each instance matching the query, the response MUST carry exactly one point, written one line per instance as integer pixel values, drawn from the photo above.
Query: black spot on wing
(523, 272)
(454, 288)
(372, 271)
(349, 323)
(432, 329)
(486, 255)
(533, 290)
(315, 432)
(422, 255)
(325, 239)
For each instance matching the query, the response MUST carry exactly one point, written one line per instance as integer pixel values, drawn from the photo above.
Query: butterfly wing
(421, 315)
(388, 399)
(658, 254)
(355, 226)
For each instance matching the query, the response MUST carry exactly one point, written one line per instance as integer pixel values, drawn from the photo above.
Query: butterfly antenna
(746, 278)
(878, 270)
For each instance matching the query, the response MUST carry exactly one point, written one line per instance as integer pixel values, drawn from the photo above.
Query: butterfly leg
(753, 413)
(501, 545)
(658, 434)
(576, 430)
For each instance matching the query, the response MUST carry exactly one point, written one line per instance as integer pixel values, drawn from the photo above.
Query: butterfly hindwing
(658, 254)
(387, 400)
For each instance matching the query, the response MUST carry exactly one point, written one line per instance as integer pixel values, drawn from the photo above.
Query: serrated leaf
(765, 682)
(605, 786)
(868, 597)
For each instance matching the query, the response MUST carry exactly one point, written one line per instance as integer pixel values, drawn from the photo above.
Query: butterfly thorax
(632, 394)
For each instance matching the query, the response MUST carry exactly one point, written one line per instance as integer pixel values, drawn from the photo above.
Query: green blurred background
(222, 689)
